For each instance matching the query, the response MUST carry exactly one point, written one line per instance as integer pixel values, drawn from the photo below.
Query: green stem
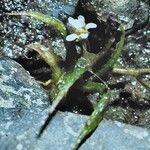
(132, 71)
(90, 57)
(64, 84)
(90, 86)
(144, 83)
(93, 120)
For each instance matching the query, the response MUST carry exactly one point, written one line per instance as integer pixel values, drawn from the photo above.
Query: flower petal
(81, 19)
(77, 23)
(71, 20)
(91, 26)
(74, 23)
(71, 37)
(84, 35)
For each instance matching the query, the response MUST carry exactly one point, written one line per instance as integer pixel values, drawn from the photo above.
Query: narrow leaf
(117, 52)
(50, 58)
(63, 86)
(93, 121)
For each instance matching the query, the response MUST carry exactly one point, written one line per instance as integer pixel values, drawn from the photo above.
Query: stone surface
(19, 31)
(131, 102)
(24, 104)
(18, 88)
(118, 136)
(127, 11)
(24, 107)
(136, 52)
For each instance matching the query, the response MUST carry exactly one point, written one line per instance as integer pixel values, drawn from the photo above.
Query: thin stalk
(93, 87)
(90, 57)
(132, 71)
(144, 83)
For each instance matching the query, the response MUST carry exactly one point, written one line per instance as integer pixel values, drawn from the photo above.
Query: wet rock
(130, 101)
(116, 136)
(136, 51)
(130, 13)
(24, 107)
(127, 11)
(18, 88)
(17, 32)
(22, 101)
(57, 8)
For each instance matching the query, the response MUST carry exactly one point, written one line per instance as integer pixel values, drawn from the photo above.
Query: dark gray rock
(22, 103)
(18, 88)
(19, 31)
(64, 129)
(127, 11)
(132, 102)
(118, 136)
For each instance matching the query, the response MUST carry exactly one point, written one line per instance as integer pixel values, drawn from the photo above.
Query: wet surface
(132, 102)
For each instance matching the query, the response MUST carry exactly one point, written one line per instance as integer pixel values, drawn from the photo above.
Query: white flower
(80, 28)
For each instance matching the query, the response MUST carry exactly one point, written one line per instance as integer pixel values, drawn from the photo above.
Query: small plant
(65, 79)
